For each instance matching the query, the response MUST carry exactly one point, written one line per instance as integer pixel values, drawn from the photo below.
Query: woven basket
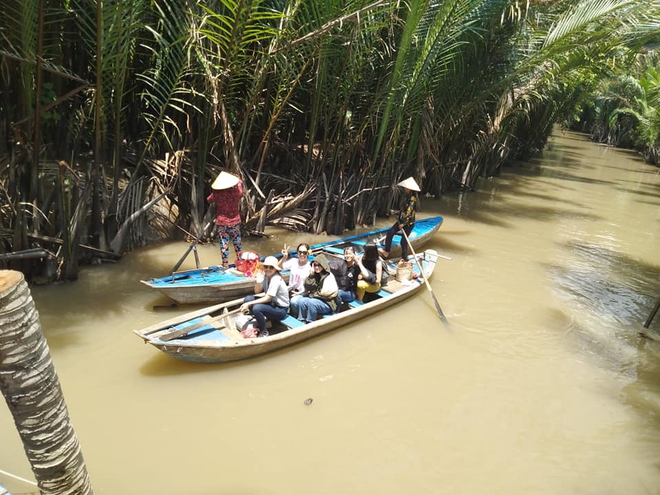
(404, 271)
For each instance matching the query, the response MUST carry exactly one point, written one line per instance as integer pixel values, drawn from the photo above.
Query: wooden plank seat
(334, 249)
(291, 322)
(375, 295)
(393, 285)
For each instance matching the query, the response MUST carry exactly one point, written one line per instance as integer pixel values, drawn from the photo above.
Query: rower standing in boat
(405, 218)
(226, 194)
(274, 304)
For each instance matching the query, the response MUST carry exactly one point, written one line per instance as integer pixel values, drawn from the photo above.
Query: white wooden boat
(214, 284)
(212, 334)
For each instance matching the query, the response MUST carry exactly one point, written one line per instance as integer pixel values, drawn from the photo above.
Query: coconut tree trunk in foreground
(32, 390)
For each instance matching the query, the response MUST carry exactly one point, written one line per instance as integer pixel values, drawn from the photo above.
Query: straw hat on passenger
(272, 261)
(224, 181)
(409, 183)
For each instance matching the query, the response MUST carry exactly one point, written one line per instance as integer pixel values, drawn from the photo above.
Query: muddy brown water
(542, 384)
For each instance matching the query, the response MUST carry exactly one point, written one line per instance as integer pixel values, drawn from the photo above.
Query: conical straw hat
(409, 183)
(224, 181)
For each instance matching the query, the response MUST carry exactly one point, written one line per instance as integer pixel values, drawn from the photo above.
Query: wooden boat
(212, 334)
(214, 284)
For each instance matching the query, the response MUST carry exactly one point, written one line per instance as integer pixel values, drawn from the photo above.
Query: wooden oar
(187, 330)
(439, 256)
(428, 285)
(188, 316)
(192, 247)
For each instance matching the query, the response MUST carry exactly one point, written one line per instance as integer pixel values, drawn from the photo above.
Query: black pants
(404, 245)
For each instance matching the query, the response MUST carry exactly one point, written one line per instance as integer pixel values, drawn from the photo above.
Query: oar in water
(428, 285)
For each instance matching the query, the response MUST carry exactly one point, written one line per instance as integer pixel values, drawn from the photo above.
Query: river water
(542, 383)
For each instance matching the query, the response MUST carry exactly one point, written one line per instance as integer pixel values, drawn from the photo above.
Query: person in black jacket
(371, 271)
(346, 272)
(406, 217)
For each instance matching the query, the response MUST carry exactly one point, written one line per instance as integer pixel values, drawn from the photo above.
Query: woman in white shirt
(274, 304)
(299, 268)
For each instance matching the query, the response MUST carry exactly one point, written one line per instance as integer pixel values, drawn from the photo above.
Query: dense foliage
(625, 109)
(111, 107)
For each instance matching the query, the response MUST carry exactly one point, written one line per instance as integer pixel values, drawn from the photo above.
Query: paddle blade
(437, 307)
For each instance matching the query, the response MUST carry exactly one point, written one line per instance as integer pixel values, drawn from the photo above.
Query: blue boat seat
(334, 249)
(376, 295)
(291, 322)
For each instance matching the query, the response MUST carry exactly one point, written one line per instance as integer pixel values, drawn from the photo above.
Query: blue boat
(212, 334)
(214, 284)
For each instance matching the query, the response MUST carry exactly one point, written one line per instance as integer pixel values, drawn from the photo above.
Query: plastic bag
(250, 329)
(248, 263)
(250, 333)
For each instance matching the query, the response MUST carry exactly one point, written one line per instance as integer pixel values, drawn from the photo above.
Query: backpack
(338, 269)
(248, 262)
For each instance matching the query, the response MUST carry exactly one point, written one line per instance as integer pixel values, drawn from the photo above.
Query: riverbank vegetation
(117, 115)
(624, 110)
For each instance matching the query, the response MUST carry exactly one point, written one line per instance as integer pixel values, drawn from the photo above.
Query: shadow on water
(445, 244)
(642, 194)
(648, 203)
(610, 284)
(640, 394)
(562, 175)
(548, 166)
(545, 197)
(479, 208)
(613, 294)
(637, 183)
(551, 161)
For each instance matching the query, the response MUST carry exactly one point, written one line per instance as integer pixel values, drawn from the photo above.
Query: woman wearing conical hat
(406, 217)
(227, 190)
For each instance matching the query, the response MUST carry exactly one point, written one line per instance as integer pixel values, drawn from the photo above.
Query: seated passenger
(371, 271)
(320, 297)
(300, 268)
(273, 305)
(347, 282)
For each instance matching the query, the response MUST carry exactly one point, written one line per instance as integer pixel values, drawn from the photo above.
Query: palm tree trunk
(32, 390)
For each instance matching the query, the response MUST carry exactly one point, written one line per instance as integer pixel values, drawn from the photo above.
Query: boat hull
(220, 285)
(214, 346)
